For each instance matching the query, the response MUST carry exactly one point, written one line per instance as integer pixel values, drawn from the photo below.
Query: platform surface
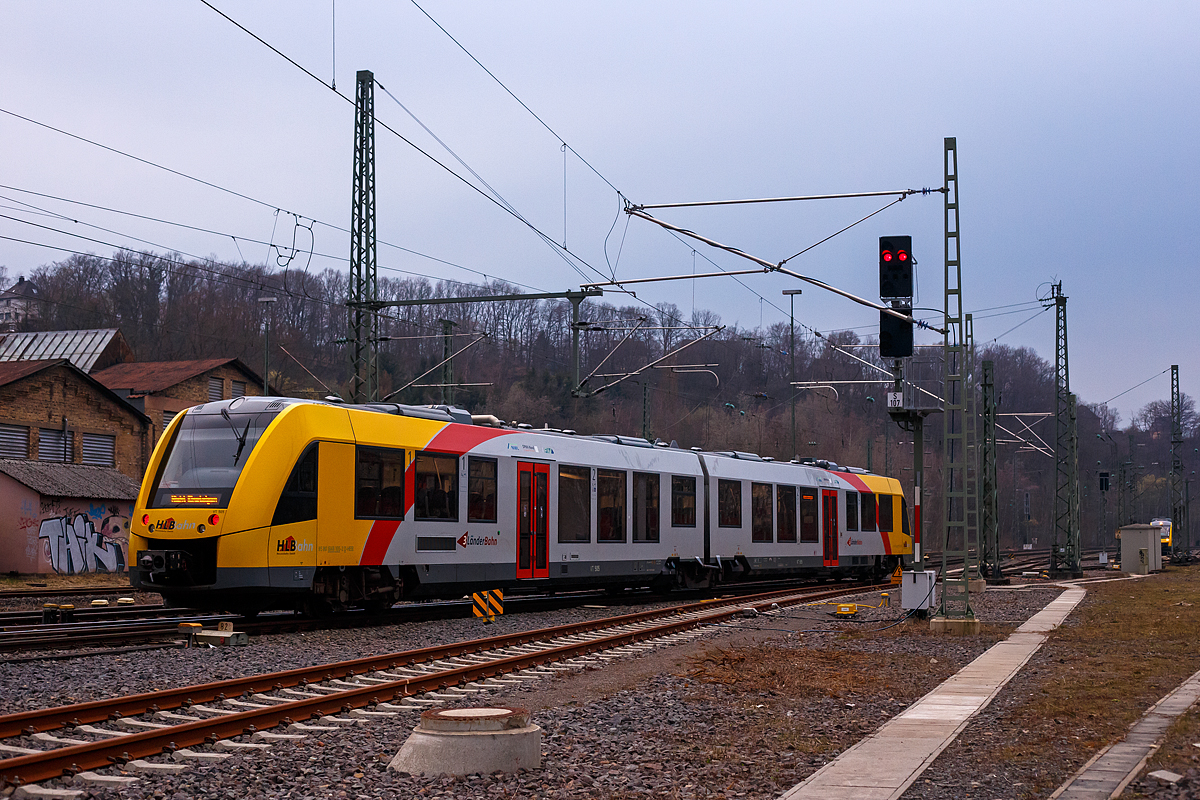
(886, 763)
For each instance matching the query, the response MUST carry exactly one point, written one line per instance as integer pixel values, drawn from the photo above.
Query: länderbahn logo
(467, 539)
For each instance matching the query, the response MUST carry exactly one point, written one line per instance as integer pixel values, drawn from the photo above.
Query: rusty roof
(51, 479)
(148, 377)
(83, 348)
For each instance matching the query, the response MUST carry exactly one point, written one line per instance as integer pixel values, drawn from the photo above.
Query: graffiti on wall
(94, 539)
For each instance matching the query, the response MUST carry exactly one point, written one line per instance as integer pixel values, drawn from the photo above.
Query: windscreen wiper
(241, 438)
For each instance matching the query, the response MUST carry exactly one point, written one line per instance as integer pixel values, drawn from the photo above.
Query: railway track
(26, 631)
(170, 721)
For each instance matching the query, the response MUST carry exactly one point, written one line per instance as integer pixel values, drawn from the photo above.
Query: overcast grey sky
(1076, 127)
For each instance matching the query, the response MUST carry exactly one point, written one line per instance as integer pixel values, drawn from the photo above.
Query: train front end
(183, 508)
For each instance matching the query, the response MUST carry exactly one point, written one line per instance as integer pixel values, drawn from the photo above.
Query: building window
(239, 389)
(437, 486)
(55, 444)
(851, 511)
(99, 450)
(729, 504)
(481, 489)
(574, 504)
(379, 483)
(683, 501)
(645, 507)
(808, 517)
(761, 520)
(216, 390)
(610, 502)
(885, 513)
(14, 441)
(785, 513)
(868, 511)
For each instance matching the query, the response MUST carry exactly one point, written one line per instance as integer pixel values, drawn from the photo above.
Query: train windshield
(203, 463)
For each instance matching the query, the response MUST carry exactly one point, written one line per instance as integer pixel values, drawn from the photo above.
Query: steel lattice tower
(955, 545)
(1177, 516)
(1066, 484)
(364, 280)
(989, 498)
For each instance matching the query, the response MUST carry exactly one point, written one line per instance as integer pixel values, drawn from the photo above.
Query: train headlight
(200, 528)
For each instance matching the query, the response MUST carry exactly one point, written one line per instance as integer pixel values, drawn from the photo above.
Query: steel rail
(73, 759)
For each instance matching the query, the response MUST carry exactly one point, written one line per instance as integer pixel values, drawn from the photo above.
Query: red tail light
(213, 519)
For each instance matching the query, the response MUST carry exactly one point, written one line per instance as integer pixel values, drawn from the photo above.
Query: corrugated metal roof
(81, 347)
(71, 480)
(146, 377)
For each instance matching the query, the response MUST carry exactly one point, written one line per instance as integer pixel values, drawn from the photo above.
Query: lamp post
(791, 293)
(267, 345)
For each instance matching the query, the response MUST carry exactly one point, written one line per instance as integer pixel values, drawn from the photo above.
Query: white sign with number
(895, 399)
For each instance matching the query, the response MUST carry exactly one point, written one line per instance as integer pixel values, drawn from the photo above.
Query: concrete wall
(42, 400)
(61, 535)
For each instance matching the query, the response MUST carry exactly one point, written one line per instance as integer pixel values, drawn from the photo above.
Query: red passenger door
(829, 517)
(533, 490)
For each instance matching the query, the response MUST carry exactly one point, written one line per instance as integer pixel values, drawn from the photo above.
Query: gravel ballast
(666, 724)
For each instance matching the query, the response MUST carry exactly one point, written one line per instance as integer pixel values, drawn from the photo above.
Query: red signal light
(886, 255)
(145, 519)
(903, 256)
(213, 519)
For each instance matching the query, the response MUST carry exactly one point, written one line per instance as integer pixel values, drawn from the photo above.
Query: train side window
(885, 513)
(808, 517)
(574, 504)
(481, 489)
(904, 517)
(868, 511)
(298, 502)
(729, 504)
(761, 512)
(610, 505)
(379, 483)
(645, 507)
(785, 513)
(851, 511)
(437, 486)
(683, 501)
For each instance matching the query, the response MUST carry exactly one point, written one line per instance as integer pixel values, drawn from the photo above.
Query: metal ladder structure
(1064, 549)
(364, 277)
(956, 550)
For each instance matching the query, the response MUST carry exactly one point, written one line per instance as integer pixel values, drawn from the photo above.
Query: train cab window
(729, 504)
(610, 505)
(868, 512)
(481, 489)
(904, 517)
(437, 487)
(761, 512)
(851, 511)
(808, 517)
(683, 501)
(885, 513)
(785, 513)
(298, 503)
(574, 504)
(379, 483)
(645, 507)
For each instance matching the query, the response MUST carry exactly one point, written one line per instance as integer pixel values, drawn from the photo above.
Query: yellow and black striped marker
(488, 604)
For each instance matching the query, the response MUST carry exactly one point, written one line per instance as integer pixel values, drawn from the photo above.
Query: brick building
(161, 389)
(72, 454)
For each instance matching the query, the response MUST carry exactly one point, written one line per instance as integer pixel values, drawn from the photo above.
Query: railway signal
(895, 267)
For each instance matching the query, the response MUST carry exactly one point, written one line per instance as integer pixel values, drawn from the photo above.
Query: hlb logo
(290, 545)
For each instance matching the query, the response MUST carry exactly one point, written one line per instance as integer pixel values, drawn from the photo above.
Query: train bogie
(260, 502)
